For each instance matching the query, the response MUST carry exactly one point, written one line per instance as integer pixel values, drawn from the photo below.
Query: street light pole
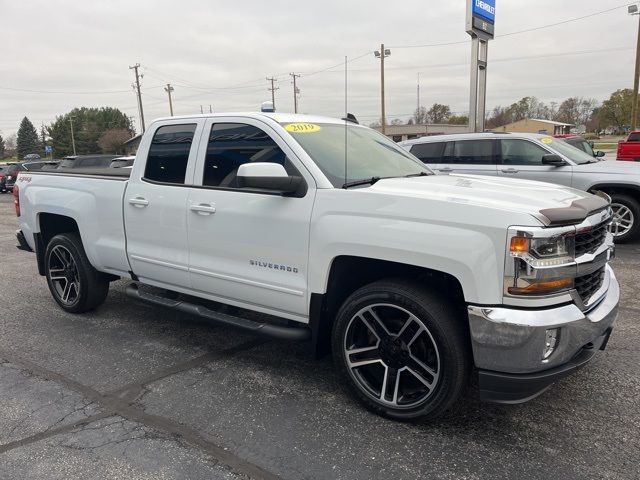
(73, 140)
(633, 10)
(381, 55)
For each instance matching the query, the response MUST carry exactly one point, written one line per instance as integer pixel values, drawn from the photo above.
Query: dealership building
(534, 125)
(399, 133)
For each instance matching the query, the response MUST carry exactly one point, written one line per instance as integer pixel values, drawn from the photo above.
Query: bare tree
(112, 141)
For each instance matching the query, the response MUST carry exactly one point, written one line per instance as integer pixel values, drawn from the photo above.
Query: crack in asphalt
(121, 402)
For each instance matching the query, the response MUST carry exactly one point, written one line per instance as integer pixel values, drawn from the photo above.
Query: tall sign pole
(481, 17)
(633, 10)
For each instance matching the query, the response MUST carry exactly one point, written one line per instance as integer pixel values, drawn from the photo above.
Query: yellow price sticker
(546, 140)
(302, 127)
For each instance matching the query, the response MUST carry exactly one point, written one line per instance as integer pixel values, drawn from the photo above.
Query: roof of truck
(278, 117)
(470, 136)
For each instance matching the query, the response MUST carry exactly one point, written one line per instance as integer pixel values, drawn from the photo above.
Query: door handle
(445, 169)
(139, 202)
(509, 170)
(203, 209)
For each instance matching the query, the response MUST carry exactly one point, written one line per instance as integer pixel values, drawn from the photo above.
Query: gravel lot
(136, 392)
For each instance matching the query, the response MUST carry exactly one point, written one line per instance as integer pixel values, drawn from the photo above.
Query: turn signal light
(541, 288)
(519, 245)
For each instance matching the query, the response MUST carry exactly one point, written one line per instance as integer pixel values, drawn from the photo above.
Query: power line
(69, 92)
(569, 20)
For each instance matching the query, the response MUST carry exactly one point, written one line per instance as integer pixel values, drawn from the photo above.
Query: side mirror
(553, 160)
(267, 176)
(599, 153)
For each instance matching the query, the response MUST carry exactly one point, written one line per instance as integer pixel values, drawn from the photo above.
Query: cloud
(203, 46)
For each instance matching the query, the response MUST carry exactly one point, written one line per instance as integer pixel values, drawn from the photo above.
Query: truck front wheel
(402, 350)
(625, 225)
(72, 280)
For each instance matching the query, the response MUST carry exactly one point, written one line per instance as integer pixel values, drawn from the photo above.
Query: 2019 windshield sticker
(273, 266)
(302, 127)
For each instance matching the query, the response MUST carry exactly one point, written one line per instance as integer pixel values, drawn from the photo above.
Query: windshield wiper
(421, 174)
(364, 181)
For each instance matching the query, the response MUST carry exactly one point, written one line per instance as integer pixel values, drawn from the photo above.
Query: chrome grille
(587, 285)
(589, 241)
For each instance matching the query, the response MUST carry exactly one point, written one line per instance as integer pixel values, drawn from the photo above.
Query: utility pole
(201, 111)
(295, 92)
(381, 55)
(169, 89)
(418, 110)
(210, 109)
(273, 91)
(633, 10)
(73, 140)
(136, 67)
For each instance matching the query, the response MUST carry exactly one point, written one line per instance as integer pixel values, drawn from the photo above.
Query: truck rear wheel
(625, 226)
(402, 350)
(72, 280)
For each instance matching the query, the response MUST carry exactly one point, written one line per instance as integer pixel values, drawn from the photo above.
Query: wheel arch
(50, 225)
(620, 188)
(348, 273)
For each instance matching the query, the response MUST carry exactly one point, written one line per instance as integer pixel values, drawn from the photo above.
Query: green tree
(616, 111)
(439, 113)
(89, 125)
(28, 141)
(2, 148)
(459, 120)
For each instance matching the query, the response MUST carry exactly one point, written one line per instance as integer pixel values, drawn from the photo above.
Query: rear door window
(169, 154)
(634, 137)
(429, 152)
(471, 152)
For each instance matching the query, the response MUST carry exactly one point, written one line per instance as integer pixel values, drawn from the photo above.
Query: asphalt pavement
(136, 392)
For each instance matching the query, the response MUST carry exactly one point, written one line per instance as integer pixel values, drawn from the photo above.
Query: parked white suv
(542, 158)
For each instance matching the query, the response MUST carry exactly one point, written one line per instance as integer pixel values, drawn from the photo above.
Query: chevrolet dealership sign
(481, 18)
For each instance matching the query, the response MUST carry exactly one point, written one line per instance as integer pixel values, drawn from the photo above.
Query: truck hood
(549, 203)
(612, 167)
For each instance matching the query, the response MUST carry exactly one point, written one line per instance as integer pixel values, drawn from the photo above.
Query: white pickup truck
(336, 236)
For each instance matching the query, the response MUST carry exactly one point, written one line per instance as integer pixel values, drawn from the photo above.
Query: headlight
(543, 252)
(539, 265)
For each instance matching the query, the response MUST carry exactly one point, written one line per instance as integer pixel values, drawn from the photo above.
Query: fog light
(550, 342)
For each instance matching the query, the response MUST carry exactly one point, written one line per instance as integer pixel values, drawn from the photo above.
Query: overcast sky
(80, 51)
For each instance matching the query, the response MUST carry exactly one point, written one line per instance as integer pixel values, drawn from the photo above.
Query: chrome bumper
(510, 340)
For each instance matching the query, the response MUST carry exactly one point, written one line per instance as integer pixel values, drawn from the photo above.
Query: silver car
(538, 157)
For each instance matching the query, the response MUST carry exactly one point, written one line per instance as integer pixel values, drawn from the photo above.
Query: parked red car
(629, 149)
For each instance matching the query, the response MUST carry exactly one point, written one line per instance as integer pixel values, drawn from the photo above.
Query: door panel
(520, 158)
(248, 246)
(155, 207)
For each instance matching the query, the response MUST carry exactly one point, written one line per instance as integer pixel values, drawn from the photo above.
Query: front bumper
(508, 344)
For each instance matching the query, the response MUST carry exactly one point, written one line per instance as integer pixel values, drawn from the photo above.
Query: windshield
(572, 153)
(582, 145)
(369, 153)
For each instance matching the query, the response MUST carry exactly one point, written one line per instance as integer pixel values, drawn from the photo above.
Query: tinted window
(232, 144)
(34, 166)
(169, 153)
(429, 152)
(521, 152)
(474, 152)
(634, 137)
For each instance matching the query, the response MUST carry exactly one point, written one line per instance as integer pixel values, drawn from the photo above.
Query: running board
(270, 330)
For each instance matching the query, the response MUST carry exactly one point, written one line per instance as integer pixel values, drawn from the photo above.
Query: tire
(420, 340)
(626, 209)
(73, 282)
